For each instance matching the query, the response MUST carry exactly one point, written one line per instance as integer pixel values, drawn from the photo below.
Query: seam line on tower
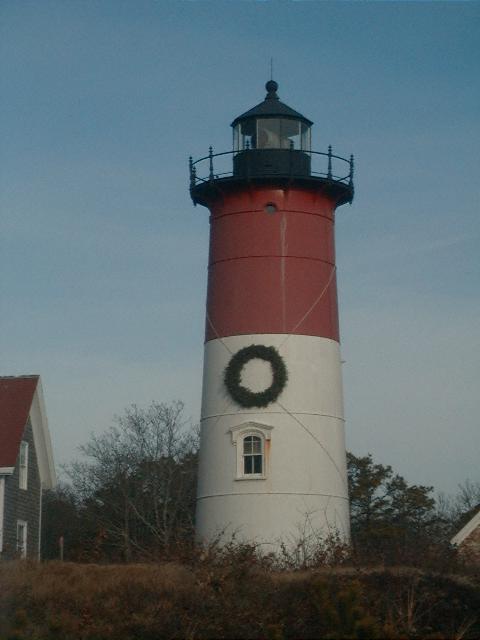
(270, 493)
(272, 333)
(265, 412)
(260, 211)
(270, 255)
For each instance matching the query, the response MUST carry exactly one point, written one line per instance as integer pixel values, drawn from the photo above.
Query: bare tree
(138, 478)
(455, 511)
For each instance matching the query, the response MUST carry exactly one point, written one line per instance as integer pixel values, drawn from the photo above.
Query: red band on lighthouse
(272, 272)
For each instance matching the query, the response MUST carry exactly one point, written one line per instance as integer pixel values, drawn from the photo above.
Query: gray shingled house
(26, 465)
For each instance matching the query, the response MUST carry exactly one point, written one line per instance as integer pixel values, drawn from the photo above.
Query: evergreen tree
(389, 517)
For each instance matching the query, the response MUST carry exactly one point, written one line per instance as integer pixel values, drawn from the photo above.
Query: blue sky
(103, 257)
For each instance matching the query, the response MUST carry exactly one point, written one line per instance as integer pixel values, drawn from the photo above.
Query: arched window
(252, 455)
(252, 442)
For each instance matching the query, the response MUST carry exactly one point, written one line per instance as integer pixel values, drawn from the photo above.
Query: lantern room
(265, 137)
(271, 143)
(271, 125)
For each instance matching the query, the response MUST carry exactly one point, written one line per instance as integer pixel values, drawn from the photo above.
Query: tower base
(300, 493)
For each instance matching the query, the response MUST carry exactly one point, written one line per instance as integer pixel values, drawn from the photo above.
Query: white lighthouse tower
(272, 452)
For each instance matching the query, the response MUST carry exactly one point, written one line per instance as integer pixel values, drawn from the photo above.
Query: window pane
(23, 465)
(248, 445)
(257, 464)
(23, 453)
(248, 464)
(22, 539)
(256, 445)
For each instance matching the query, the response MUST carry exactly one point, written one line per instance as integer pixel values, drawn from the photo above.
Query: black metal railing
(215, 166)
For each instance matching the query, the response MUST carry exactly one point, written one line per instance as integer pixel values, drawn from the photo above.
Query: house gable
(469, 533)
(16, 395)
(21, 399)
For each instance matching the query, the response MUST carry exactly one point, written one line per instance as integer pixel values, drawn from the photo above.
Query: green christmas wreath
(233, 372)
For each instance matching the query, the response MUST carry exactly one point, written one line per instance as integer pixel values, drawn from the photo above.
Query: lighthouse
(272, 465)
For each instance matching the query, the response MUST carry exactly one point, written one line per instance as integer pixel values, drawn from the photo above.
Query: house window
(22, 538)
(2, 504)
(23, 464)
(252, 455)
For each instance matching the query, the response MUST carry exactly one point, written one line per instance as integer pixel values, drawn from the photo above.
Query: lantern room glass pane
(278, 133)
(290, 133)
(306, 132)
(244, 135)
(268, 134)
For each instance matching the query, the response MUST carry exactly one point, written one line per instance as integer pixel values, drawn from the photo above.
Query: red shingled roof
(16, 395)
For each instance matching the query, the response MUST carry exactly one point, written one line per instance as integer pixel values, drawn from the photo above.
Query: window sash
(252, 456)
(253, 465)
(252, 444)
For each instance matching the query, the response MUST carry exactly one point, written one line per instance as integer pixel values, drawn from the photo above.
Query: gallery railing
(328, 166)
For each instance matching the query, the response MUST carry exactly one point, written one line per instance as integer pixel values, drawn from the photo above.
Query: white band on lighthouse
(302, 483)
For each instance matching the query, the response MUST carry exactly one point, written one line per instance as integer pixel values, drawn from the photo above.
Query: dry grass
(83, 601)
(230, 600)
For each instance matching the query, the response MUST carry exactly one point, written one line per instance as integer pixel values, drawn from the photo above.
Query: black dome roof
(271, 107)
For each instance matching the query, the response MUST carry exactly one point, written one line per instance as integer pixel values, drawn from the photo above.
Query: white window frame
(2, 500)
(23, 465)
(238, 434)
(253, 438)
(22, 545)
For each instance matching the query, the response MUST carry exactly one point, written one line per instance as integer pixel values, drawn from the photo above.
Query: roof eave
(6, 471)
(466, 530)
(272, 109)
